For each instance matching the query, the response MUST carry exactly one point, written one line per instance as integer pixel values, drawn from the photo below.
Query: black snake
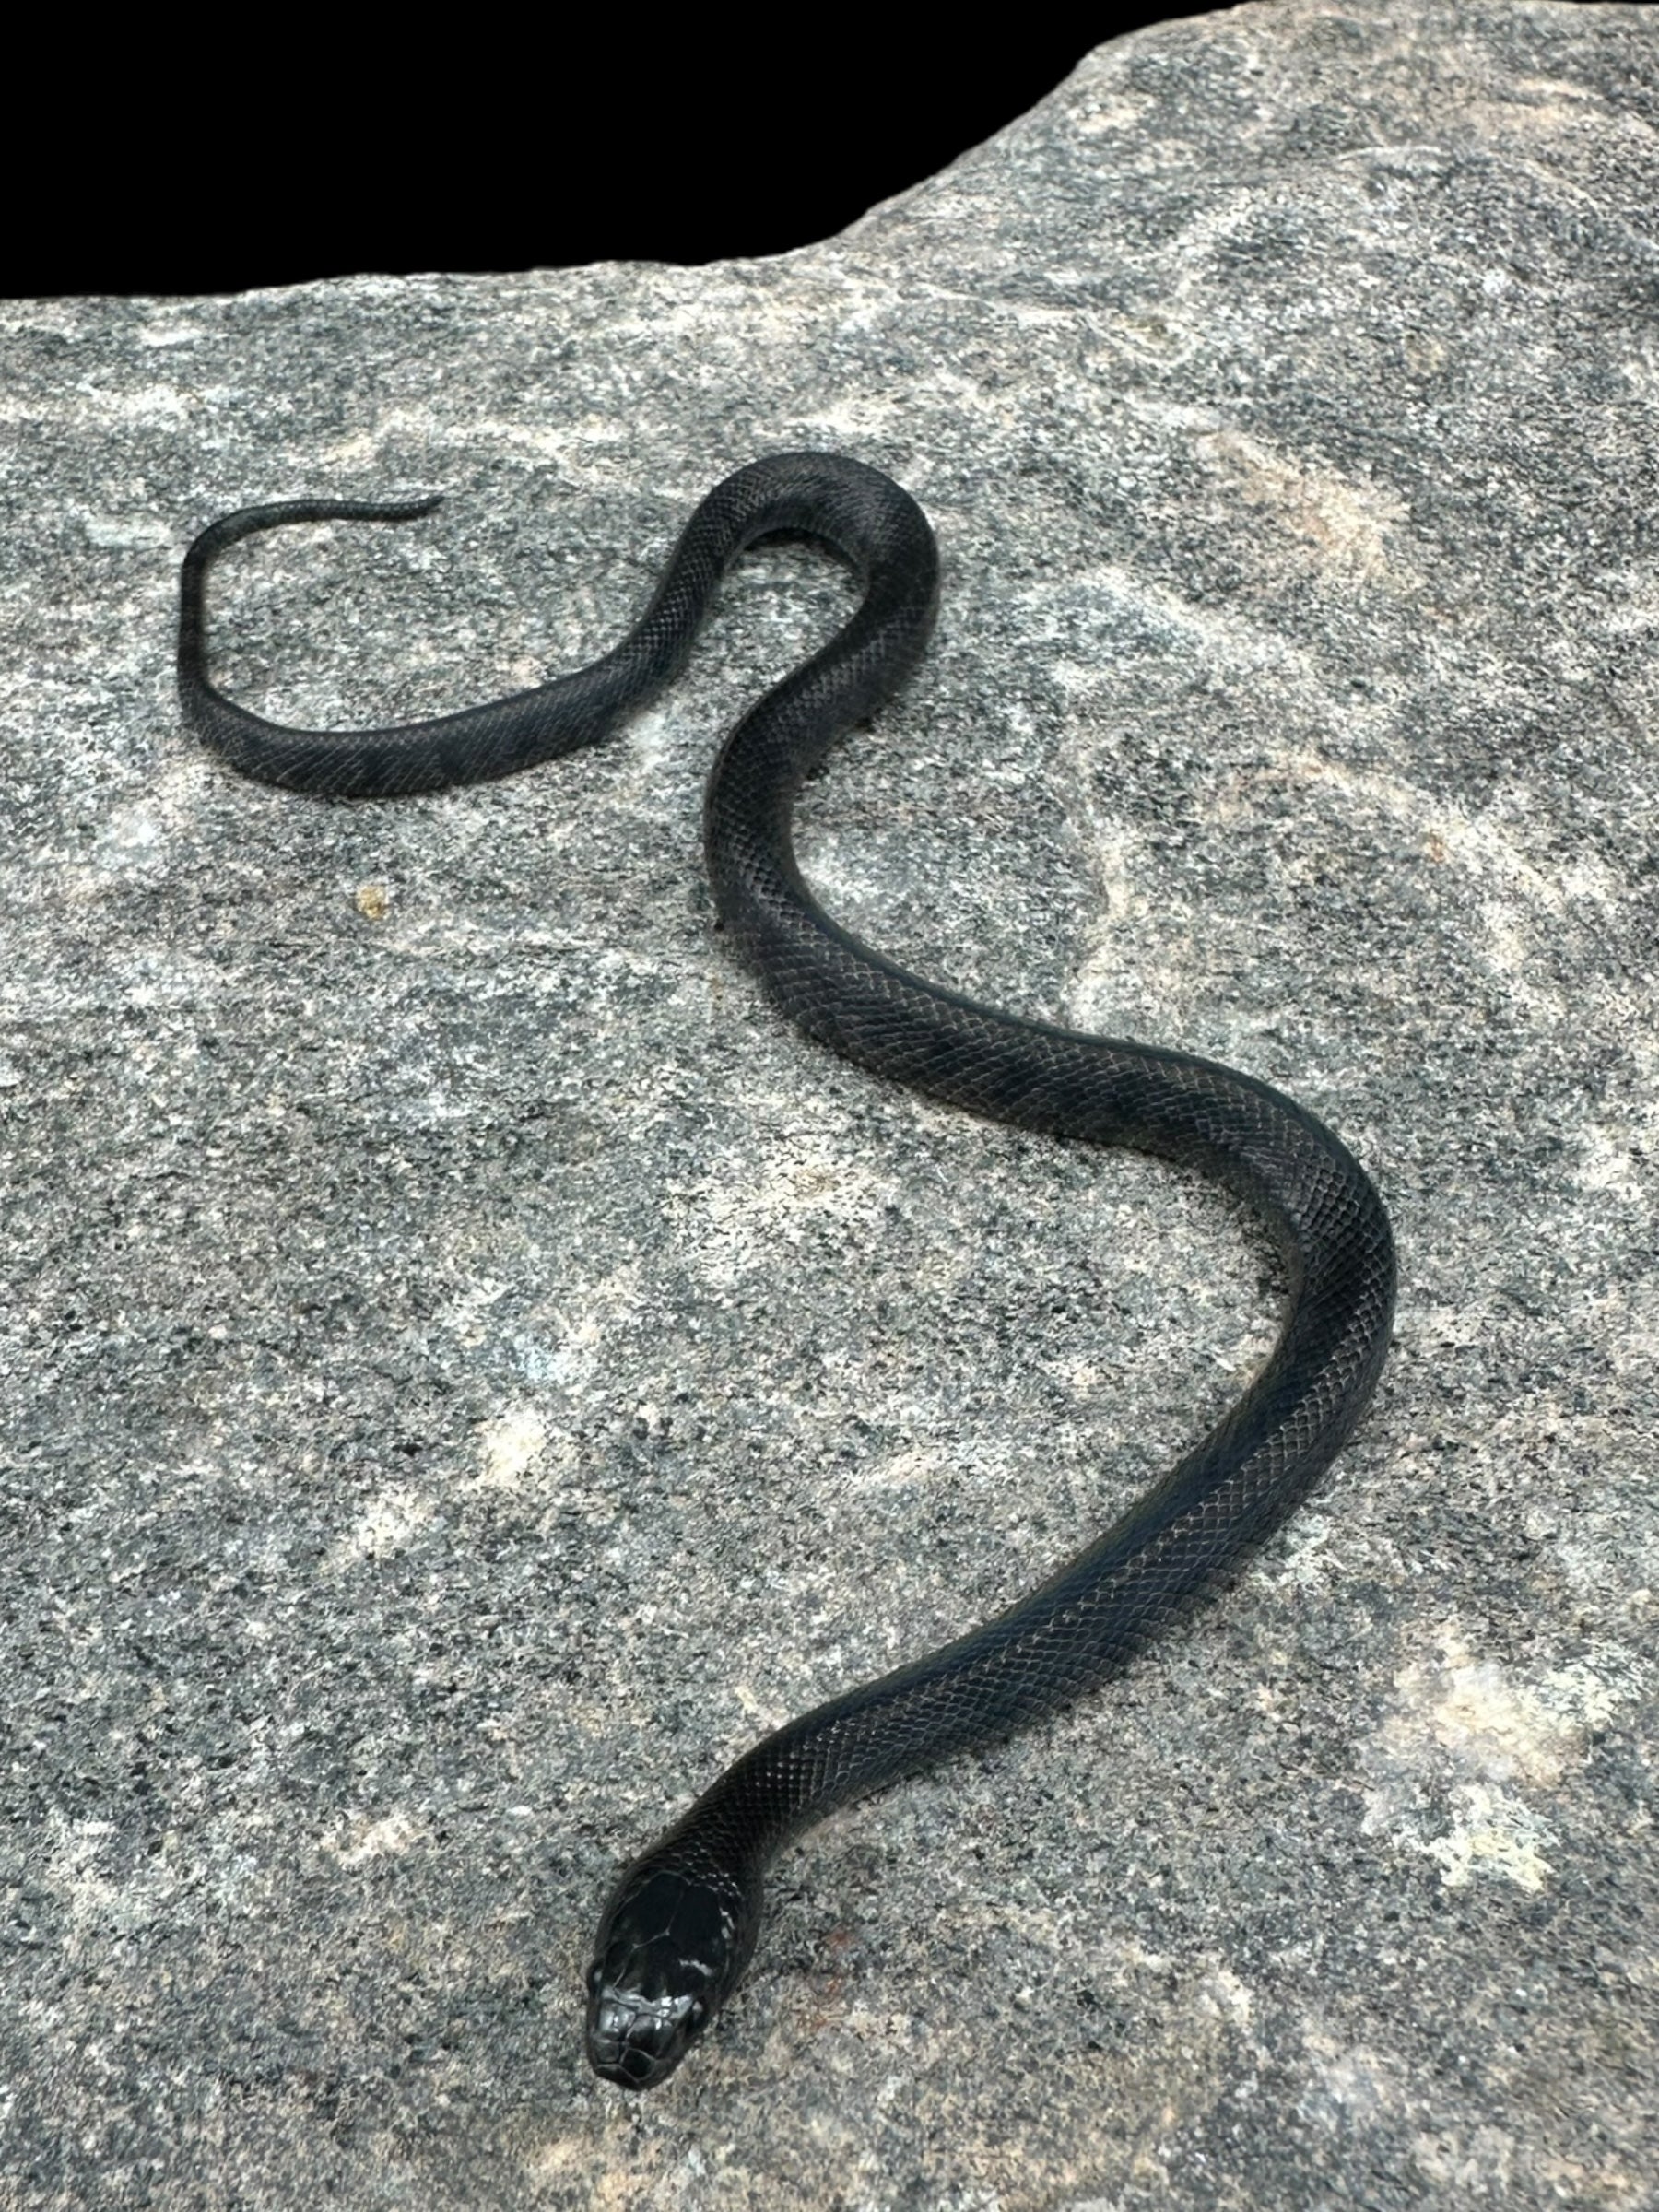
(682, 1922)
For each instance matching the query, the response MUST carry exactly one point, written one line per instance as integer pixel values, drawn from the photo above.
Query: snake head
(671, 1947)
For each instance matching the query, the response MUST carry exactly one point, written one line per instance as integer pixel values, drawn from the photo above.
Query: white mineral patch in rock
(385, 1835)
(511, 1446)
(389, 1525)
(1493, 1833)
(1475, 1737)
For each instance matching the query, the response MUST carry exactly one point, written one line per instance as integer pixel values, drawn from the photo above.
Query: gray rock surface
(468, 1368)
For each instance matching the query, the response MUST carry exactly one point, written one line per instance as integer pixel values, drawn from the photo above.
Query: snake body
(683, 1919)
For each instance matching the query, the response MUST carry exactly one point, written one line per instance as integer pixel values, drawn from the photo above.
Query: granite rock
(470, 1368)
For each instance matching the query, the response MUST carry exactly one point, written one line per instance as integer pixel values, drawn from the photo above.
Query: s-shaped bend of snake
(682, 1921)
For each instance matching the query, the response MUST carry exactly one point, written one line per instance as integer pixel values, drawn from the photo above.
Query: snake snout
(637, 2043)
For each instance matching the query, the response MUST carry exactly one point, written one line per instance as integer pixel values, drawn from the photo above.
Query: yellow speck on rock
(373, 901)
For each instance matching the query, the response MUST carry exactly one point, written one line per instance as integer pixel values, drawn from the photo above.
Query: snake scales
(682, 1922)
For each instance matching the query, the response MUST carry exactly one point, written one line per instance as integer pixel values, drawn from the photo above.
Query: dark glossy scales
(683, 1920)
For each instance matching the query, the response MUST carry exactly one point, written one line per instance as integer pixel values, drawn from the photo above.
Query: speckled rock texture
(470, 1368)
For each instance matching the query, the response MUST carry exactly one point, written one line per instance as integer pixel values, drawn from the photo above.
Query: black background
(255, 152)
